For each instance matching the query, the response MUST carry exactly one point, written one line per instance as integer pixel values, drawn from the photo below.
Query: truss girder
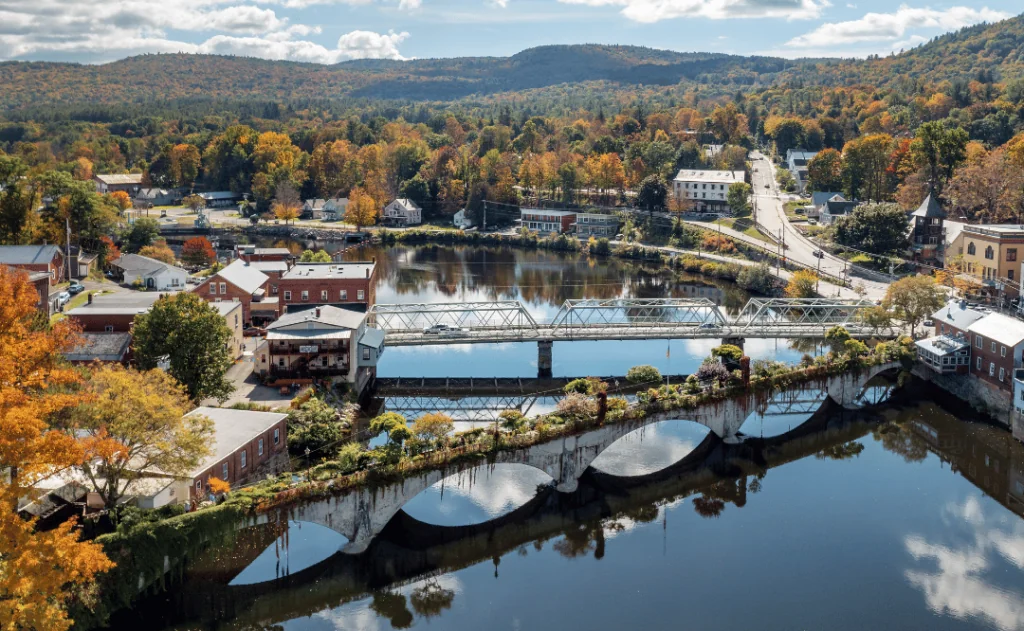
(503, 314)
(469, 408)
(797, 312)
(623, 312)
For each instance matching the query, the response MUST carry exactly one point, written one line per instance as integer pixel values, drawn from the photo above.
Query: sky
(332, 31)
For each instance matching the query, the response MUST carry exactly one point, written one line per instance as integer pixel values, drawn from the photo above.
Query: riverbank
(151, 554)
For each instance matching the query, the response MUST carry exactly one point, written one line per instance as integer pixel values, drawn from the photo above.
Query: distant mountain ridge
(995, 48)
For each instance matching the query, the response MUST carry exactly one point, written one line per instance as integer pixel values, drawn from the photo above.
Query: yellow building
(991, 254)
(232, 314)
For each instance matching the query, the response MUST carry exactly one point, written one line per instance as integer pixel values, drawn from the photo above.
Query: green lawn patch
(744, 225)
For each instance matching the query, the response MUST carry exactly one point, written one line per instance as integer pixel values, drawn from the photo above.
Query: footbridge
(361, 514)
(618, 319)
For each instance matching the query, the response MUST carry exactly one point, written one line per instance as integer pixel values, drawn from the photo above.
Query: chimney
(367, 272)
(318, 312)
(90, 297)
(963, 303)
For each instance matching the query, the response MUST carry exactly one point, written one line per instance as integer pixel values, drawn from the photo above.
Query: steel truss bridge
(620, 319)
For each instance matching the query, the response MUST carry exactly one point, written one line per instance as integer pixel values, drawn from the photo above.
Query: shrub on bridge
(586, 385)
(644, 374)
(576, 406)
(512, 421)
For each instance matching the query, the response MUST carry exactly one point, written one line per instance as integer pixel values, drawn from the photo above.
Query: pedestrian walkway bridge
(620, 319)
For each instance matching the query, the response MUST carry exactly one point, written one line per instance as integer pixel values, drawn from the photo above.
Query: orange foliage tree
(159, 251)
(121, 199)
(39, 571)
(198, 251)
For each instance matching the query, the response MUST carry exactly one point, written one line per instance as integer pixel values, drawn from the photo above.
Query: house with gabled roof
(242, 282)
(403, 212)
(150, 273)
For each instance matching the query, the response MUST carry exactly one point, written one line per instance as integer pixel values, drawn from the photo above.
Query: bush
(643, 374)
(602, 247)
(757, 279)
(713, 371)
(586, 385)
(576, 405)
(512, 420)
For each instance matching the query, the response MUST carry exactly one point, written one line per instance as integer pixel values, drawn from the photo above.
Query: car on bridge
(444, 330)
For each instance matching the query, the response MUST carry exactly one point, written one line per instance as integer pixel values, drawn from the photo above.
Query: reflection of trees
(431, 599)
(712, 500)
(581, 540)
(898, 439)
(840, 452)
(391, 605)
(806, 345)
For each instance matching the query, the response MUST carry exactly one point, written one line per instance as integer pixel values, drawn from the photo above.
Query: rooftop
(219, 195)
(270, 266)
(351, 270)
(710, 177)
(232, 430)
(1002, 329)
(104, 347)
(325, 316)
(548, 212)
(119, 178)
(243, 275)
(226, 307)
(407, 204)
(142, 264)
(997, 229)
(943, 344)
(27, 254)
(957, 314)
(120, 303)
(930, 207)
(251, 249)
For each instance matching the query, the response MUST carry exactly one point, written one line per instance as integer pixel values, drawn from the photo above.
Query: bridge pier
(735, 341)
(544, 359)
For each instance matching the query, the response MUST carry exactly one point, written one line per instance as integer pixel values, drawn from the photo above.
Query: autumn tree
(433, 428)
(194, 202)
(39, 570)
(82, 169)
(198, 252)
(193, 337)
(287, 204)
(159, 251)
(17, 200)
(185, 161)
(135, 425)
(121, 200)
(802, 284)
(913, 299)
(939, 149)
(361, 210)
(738, 198)
(825, 171)
(319, 256)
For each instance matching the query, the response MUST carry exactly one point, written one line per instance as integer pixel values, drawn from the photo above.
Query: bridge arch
(652, 447)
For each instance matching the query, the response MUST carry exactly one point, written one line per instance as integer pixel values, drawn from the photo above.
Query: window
(991, 369)
(259, 447)
(280, 362)
(236, 320)
(971, 249)
(273, 290)
(199, 486)
(977, 363)
(305, 295)
(287, 295)
(1002, 374)
(223, 288)
(366, 354)
(224, 471)
(108, 328)
(992, 347)
(277, 433)
(989, 252)
(360, 295)
(343, 294)
(1002, 351)
(977, 341)
(323, 295)
(213, 288)
(243, 458)
(1011, 254)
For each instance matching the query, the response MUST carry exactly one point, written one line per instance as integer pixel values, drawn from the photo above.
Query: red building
(546, 221)
(349, 285)
(114, 313)
(243, 283)
(35, 258)
(245, 445)
(997, 348)
(251, 253)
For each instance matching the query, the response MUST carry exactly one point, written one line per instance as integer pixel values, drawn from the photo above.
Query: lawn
(791, 210)
(744, 225)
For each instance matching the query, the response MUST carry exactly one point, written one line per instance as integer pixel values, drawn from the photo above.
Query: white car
(444, 330)
(63, 298)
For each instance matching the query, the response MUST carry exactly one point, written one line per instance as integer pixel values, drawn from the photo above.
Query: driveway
(247, 388)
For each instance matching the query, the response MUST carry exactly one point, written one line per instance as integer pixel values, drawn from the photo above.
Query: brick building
(545, 221)
(113, 313)
(997, 348)
(351, 285)
(251, 253)
(245, 444)
(35, 258)
(240, 282)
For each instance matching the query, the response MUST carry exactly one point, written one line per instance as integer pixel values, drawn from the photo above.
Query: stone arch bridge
(361, 514)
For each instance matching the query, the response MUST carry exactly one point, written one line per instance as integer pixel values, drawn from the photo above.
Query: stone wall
(981, 396)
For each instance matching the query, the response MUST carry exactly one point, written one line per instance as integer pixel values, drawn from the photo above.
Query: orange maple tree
(198, 251)
(39, 571)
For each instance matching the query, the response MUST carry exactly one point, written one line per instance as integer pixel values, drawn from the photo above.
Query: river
(905, 515)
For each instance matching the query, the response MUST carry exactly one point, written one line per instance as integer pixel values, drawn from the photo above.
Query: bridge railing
(503, 315)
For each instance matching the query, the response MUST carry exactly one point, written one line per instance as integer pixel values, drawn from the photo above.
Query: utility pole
(483, 224)
(67, 249)
(817, 280)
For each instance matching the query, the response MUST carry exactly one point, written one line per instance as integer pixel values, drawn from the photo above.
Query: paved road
(771, 214)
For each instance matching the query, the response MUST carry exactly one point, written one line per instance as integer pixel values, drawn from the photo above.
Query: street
(770, 213)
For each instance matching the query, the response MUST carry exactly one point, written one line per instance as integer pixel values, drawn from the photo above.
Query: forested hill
(178, 76)
(997, 49)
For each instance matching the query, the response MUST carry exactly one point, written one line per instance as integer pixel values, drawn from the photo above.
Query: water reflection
(477, 495)
(651, 448)
(962, 585)
(300, 546)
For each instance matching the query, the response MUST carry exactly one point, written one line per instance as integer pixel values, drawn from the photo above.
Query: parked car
(819, 254)
(254, 331)
(76, 288)
(708, 325)
(63, 298)
(767, 185)
(929, 323)
(444, 330)
(812, 221)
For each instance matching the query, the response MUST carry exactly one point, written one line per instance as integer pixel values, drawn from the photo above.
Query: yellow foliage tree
(135, 426)
(159, 251)
(803, 284)
(121, 199)
(218, 486)
(361, 210)
(39, 571)
(286, 211)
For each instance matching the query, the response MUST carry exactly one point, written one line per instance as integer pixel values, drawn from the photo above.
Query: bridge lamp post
(308, 477)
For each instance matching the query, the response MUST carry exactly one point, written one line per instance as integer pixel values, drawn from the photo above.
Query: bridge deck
(412, 386)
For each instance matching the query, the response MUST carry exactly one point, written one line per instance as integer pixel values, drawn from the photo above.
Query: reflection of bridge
(361, 514)
(618, 319)
(408, 551)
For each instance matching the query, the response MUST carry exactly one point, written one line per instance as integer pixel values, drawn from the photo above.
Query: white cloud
(648, 11)
(891, 27)
(109, 30)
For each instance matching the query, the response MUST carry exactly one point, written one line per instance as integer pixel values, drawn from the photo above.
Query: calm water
(906, 515)
(903, 517)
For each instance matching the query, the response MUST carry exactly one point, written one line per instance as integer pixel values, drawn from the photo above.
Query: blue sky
(329, 31)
